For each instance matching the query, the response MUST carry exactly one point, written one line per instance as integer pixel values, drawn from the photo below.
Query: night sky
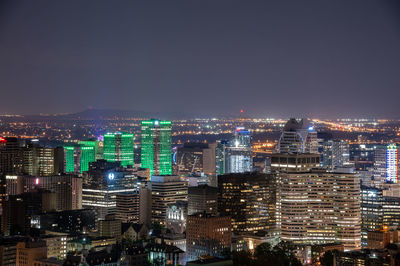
(272, 58)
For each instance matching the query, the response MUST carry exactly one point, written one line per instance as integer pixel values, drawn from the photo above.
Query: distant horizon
(147, 114)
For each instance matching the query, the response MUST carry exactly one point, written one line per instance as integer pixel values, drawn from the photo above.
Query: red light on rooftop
(2, 140)
(241, 111)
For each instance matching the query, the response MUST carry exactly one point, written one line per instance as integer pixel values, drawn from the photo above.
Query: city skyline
(336, 59)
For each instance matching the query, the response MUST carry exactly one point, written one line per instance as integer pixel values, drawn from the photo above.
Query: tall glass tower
(156, 153)
(118, 147)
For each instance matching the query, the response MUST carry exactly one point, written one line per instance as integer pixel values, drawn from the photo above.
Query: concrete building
(165, 190)
(202, 198)
(128, 207)
(110, 227)
(29, 251)
(320, 207)
(206, 234)
(68, 189)
(249, 199)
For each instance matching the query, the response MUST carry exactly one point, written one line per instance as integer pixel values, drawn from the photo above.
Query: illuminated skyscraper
(235, 155)
(335, 154)
(118, 147)
(386, 165)
(320, 207)
(298, 136)
(98, 147)
(77, 158)
(156, 153)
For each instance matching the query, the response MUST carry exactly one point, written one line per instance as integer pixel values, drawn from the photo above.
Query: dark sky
(272, 58)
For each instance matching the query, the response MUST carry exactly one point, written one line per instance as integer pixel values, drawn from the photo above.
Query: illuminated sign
(2, 140)
(111, 176)
(156, 122)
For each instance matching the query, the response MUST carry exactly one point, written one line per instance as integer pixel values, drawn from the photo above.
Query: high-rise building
(207, 235)
(68, 189)
(165, 190)
(220, 157)
(103, 182)
(98, 146)
(284, 163)
(298, 136)
(386, 165)
(239, 152)
(77, 158)
(371, 211)
(118, 147)
(156, 152)
(42, 161)
(249, 199)
(195, 158)
(10, 156)
(362, 156)
(128, 208)
(321, 207)
(335, 154)
(202, 198)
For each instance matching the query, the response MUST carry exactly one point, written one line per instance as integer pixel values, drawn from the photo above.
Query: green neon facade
(87, 156)
(156, 153)
(78, 157)
(119, 147)
(69, 159)
(98, 147)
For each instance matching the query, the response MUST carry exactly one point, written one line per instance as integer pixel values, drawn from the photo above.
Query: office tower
(207, 234)
(156, 147)
(298, 136)
(18, 210)
(118, 147)
(165, 190)
(362, 156)
(127, 204)
(71, 221)
(10, 156)
(42, 161)
(68, 189)
(202, 198)
(284, 163)
(335, 154)
(371, 211)
(249, 199)
(77, 158)
(239, 152)
(176, 215)
(98, 146)
(8, 250)
(145, 202)
(104, 181)
(321, 207)
(29, 251)
(110, 227)
(196, 158)
(220, 157)
(386, 165)
(391, 211)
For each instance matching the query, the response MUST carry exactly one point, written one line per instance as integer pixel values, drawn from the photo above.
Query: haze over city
(271, 58)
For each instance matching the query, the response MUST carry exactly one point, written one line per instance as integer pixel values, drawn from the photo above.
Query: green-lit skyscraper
(156, 147)
(118, 147)
(98, 147)
(77, 158)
